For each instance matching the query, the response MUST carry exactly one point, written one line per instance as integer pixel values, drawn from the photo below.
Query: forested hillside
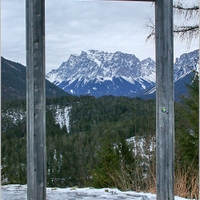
(92, 150)
(72, 153)
(14, 82)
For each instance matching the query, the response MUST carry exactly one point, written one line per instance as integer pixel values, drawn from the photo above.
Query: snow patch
(72, 91)
(16, 115)
(62, 117)
(94, 88)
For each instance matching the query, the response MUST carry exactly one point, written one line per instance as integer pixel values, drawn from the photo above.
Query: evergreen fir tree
(188, 128)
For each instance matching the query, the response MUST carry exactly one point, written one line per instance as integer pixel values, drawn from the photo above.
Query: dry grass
(126, 179)
(186, 183)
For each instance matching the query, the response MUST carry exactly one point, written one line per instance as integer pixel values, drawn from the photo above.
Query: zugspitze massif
(99, 73)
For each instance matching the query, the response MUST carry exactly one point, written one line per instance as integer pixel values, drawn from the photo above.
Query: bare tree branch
(185, 32)
(186, 12)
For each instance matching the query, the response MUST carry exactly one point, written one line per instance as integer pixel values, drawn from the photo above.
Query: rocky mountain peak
(101, 73)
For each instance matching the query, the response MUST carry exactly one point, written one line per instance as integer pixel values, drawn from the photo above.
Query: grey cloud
(74, 26)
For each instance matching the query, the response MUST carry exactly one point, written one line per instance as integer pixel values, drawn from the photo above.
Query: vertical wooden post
(199, 97)
(0, 105)
(164, 100)
(35, 100)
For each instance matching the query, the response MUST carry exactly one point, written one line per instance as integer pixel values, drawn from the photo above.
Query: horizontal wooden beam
(131, 0)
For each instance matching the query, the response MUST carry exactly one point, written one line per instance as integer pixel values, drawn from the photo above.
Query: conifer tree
(188, 131)
(107, 162)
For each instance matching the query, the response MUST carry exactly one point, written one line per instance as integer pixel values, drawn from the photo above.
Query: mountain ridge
(14, 82)
(99, 73)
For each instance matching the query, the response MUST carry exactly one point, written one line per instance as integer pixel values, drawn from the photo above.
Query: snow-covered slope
(18, 192)
(60, 114)
(61, 117)
(101, 73)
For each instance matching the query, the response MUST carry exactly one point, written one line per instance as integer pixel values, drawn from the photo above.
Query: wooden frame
(36, 122)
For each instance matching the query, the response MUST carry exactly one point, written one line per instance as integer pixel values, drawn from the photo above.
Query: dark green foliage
(119, 165)
(187, 120)
(14, 155)
(72, 154)
(187, 143)
(107, 163)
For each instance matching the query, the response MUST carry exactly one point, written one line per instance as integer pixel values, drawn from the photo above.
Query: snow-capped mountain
(184, 67)
(101, 73)
(185, 64)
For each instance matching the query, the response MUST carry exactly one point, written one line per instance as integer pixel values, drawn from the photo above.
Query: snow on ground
(15, 115)
(18, 192)
(62, 116)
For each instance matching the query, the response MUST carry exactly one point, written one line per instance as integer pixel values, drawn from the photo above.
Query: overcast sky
(75, 26)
